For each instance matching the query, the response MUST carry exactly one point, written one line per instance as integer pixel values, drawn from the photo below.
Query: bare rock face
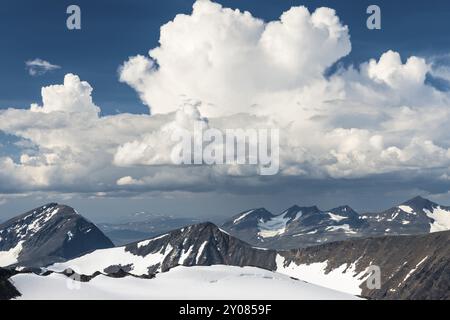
(204, 245)
(7, 290)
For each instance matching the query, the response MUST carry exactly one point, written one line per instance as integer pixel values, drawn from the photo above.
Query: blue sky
(112, 31)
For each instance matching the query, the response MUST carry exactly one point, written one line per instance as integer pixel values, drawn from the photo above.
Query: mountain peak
(250, 216)
(417, 198)
(419, 203)
(291, 211)
(46, 234)
(309, 210)
(343, 210)
(294, 211)
(49, 205)
(209, 226)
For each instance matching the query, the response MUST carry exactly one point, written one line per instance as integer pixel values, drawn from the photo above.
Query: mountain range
(299, 227)
(336, 249)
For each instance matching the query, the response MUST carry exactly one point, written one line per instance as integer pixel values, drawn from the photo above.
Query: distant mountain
(299, 227)
(411, 267)
(295, 227)
(142, 225)
(414, 216)
(48, 234)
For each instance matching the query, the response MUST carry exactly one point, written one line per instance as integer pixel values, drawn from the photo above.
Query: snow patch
(413, 270)
(336, 217)
(345, 227)
(147, 242)
(242, 216)
(185, 254)
(441, 219)
(407, 209)
(9, 257)
(200, 251)
(273, 227)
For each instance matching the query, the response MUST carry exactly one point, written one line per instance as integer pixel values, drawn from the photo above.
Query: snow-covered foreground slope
(206, 283)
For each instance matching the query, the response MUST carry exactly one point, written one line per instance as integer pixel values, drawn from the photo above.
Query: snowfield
(180, 283)
(10, 257)
(276, 226)
(407, 209)
(441, 218)
(344, 278)
(104, 258)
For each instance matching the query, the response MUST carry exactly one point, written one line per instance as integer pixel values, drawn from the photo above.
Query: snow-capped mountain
(414, 216)
(295, 227)
(48, 234)
(411, 267)
(299, 227)
(197, 245)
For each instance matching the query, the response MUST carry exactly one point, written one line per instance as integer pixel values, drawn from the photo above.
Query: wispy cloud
(38, 67)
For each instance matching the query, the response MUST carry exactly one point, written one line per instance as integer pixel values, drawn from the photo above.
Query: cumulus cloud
(229, 60)
(74, 96)
(225, 69)
(39, 67)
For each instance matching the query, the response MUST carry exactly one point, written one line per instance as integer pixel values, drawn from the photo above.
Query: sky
(361, 122)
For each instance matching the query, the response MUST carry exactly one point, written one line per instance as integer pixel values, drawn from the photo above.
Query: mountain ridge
(312, 226)
(411, 267)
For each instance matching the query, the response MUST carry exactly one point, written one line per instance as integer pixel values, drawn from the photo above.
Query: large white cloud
(226, 69)
(230, 61)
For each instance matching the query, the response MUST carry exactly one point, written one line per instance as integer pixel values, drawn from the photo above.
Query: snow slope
(187, 283)
(102, 259)
(273, 227)
(440, 219)
(344, 278)
(10, 257)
